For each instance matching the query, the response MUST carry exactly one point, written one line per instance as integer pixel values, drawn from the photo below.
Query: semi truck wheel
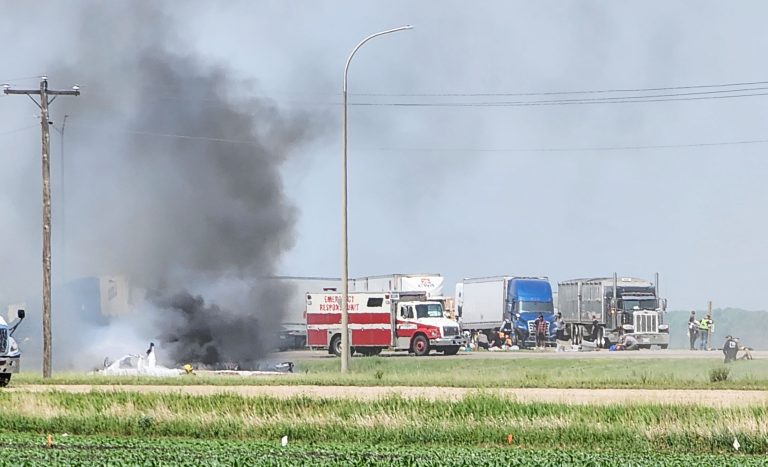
(420, 346)
(664, 346)
(5, 378)
(452, 350)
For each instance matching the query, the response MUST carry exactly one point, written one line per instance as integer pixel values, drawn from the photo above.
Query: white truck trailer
(621, 305)
(430, 284)
(293, 325)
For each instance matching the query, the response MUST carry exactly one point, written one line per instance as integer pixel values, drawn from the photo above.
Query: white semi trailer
(293, 325)
(620, 305)
(430, 284)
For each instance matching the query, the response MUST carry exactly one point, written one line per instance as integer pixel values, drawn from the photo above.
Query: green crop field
(32, 450)
(474, 422)
(117, 426)
(590, 373)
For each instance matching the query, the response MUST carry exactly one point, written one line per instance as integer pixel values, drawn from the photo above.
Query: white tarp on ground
(136, 365)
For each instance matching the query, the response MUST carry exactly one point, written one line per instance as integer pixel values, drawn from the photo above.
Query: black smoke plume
(173, 181)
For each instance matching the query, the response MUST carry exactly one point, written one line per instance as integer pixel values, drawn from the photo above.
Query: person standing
(595, 328)
(561, 343)
(693, 330)
(541, 331)
(704, 325)
(730, 349)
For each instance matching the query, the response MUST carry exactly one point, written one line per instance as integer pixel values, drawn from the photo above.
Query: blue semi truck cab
(483, 304)
(527, 298)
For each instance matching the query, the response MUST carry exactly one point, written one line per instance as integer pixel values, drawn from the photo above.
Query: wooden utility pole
(43, 104)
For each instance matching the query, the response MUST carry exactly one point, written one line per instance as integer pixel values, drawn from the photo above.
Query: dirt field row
(711, 398)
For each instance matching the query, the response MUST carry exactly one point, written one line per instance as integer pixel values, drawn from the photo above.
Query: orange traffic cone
(50, 441)
(510, 438)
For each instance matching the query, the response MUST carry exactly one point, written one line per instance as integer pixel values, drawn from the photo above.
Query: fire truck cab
(382, 320)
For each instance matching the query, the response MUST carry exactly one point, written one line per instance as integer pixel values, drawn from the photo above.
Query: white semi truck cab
(10, 355)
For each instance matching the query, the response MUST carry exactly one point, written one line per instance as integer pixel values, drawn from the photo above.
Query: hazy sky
(470, 190)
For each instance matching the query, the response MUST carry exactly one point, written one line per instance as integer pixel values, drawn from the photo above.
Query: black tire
(664, 346)
(606, 343)
(335, 347)
(420, 346)
(452, 350)
(5, 378)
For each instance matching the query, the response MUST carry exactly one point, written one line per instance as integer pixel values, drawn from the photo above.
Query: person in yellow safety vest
(704, 327)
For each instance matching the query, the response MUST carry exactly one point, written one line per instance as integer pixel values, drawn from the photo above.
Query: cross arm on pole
(21, 91)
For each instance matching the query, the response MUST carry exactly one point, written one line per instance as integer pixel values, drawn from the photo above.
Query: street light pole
(345, 347)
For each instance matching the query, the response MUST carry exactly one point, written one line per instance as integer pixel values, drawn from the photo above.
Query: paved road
(708, 398)
(654, 354)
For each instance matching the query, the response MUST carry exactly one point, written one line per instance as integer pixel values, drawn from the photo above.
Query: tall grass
(588, 373)
(479, 420)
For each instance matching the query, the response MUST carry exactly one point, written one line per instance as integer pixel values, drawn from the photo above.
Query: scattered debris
(136, 365)
(284, 441)
(146, 365)
(736, 444)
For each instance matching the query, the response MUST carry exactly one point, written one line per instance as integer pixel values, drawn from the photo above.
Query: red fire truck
(382, 320)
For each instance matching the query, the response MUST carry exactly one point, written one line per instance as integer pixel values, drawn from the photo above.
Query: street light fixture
(345, 344)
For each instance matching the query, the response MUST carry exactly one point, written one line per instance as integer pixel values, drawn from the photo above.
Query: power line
(712, 92)
(17, 130)
(169, 135)
(651, 96)
(544, 103)
(592, 101)
(577, 149)
(555, 93)
(426, 149)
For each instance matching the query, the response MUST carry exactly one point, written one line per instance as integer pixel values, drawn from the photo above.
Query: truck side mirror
(21, 314)
(663, 304)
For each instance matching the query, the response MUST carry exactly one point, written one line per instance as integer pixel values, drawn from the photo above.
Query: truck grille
(646, 323)
(532, 328)
(4, 340)
(450, 331)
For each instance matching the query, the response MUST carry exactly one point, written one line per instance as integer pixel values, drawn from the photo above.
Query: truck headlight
(14, 347)
(663, 327)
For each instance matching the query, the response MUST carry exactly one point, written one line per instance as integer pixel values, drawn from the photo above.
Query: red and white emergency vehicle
(382, 320)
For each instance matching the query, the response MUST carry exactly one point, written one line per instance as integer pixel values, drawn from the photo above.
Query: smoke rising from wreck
(178, 186)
